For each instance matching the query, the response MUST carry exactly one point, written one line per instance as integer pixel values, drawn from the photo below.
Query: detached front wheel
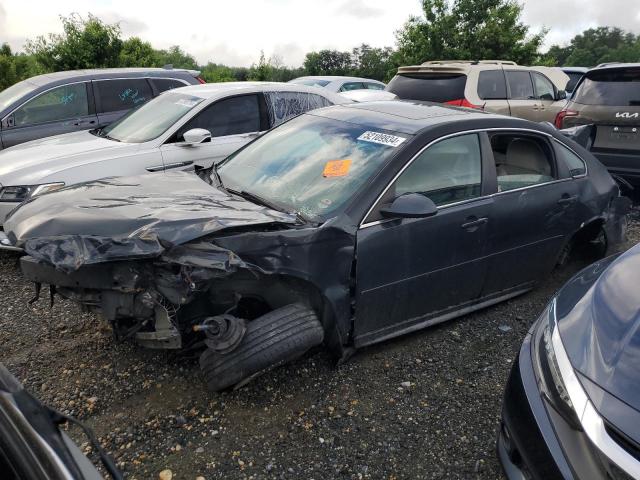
(270, 340)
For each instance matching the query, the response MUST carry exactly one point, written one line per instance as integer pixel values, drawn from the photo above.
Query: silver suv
(75, 100)
(499, 86)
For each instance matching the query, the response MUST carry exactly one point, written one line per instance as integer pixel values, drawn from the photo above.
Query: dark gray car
(606, 104)
(64, 102)
(349, 225)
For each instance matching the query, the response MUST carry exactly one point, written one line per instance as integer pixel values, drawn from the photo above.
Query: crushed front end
(150, 300)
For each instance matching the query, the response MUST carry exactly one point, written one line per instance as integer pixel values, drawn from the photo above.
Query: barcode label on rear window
(381, 138)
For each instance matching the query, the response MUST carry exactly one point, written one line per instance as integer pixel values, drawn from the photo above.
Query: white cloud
(234, 32)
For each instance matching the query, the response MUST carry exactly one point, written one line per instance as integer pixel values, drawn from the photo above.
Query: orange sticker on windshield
(336, 168)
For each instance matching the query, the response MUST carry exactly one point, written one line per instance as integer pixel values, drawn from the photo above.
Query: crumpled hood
(30, 162)
(599, 320)
(128, 217)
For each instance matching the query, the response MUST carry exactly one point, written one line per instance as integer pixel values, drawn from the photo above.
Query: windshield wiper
(214, 170)
(252, 197)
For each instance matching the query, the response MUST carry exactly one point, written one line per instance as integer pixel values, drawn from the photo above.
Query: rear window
(431, 87)
(616, 88)
(491, 85)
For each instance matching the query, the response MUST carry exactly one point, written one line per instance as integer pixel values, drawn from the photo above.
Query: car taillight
(201, 80)
(462, 102)
(562, 114)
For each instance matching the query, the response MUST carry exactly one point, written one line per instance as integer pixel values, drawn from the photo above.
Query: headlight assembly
(19, 193)
(559, 381)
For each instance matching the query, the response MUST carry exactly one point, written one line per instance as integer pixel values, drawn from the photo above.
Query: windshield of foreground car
(310, 165)
(152, 119)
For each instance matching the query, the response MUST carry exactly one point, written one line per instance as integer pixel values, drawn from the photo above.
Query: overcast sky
(234, 31)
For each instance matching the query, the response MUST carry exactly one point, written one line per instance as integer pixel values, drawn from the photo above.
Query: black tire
(271, 340)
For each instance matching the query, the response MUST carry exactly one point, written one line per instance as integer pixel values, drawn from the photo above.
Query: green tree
(177, 57)
(468, 30)
(597, 45)
(88, 43)
(328, 62)
(212, 73)
(376, 63)
(261, 72)
(136, 53)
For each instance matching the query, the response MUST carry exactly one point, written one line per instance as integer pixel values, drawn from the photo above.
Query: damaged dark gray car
(345, 226)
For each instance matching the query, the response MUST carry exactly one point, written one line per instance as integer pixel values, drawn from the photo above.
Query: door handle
(565, 199)
(472, 224)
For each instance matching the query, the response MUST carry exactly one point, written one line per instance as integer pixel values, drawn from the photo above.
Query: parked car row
(254, 221)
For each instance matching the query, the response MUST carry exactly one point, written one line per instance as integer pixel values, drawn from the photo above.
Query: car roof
(408, 116)
(463, 67)
(47, 78)
(216, 90)
(574, 69)
(334, 78)
(614, 66)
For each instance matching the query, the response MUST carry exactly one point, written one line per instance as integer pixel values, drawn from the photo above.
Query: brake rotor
(223, 332)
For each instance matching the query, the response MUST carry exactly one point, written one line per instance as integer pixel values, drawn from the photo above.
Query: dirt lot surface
(426, 405)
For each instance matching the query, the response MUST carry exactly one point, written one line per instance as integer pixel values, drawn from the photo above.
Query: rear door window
(229, 116)
(520, 86)
(121, 94)
(281, 106)
(61, 103)
(544, 87)
(492, 85)
(614, 87)
(431, 87)
(164, 84)
(522, 161)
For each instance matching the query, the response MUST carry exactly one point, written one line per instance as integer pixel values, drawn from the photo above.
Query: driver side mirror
(561, 95)
(195, 136)
(410, 205)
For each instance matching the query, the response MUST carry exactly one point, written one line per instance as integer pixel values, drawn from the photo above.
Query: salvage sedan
(572, 403)
(349, 225)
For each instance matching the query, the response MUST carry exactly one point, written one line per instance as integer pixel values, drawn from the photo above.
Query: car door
(64, 109)
(546, 94)
(522, 98)
(115, 97)
(533, 213)
(412, 270)
(232, 122)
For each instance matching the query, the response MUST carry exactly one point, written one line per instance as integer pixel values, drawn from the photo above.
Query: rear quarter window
(164, 84)
(430, 87)
(614, 87)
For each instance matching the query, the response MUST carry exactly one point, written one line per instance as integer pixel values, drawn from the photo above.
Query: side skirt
(417, 324)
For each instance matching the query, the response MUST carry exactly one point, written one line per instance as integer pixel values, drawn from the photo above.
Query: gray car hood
(128, 217)
(599, 320)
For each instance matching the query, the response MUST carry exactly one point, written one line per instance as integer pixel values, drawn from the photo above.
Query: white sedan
(185, 128)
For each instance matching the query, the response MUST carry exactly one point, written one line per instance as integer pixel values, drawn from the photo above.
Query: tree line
(447, 30)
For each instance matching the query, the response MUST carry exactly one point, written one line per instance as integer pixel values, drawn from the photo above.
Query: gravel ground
(426, 405)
